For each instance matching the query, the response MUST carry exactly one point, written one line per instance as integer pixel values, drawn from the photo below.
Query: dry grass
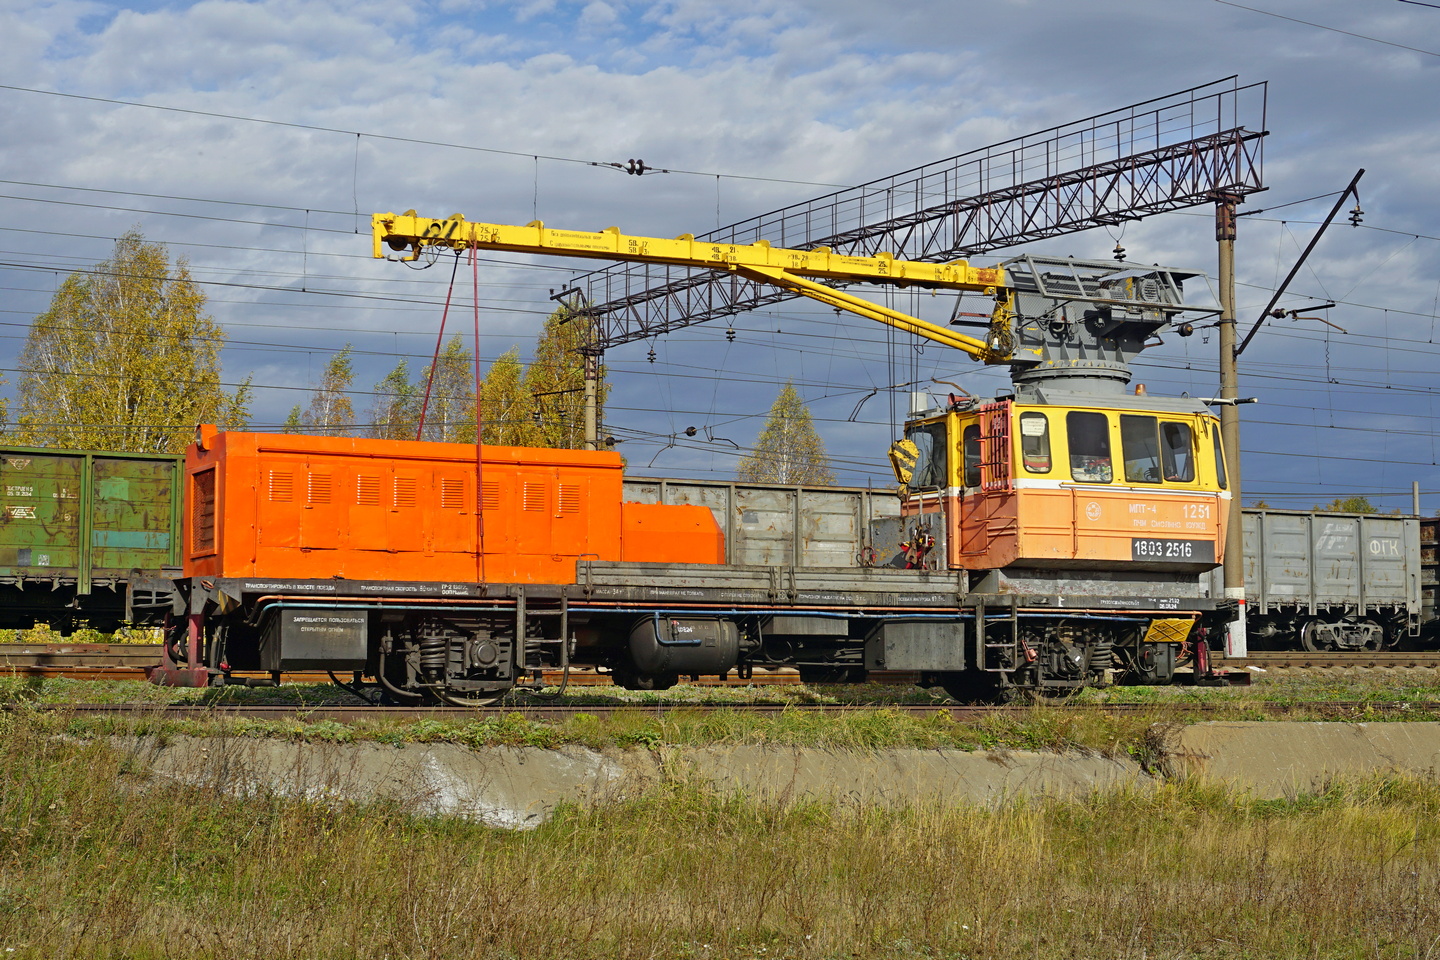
(43, 633)
(1038, 728)
(97, 862)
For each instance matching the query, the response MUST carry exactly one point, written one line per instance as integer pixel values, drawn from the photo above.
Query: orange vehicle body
(1002, 508)
(1076, 528)
(319, 508)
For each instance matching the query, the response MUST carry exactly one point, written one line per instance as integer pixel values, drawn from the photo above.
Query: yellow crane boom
(793, 270)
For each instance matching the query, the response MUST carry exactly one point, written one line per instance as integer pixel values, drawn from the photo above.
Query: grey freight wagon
(1331, 581)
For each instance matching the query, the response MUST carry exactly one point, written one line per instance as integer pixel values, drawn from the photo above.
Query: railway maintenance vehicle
(1048, 538)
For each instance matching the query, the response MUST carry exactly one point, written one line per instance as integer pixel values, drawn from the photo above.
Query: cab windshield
(931, 466)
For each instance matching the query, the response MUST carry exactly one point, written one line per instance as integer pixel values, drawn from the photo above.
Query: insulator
(730, 335)
(651, 355)
(1119, 253)
(1356, 215)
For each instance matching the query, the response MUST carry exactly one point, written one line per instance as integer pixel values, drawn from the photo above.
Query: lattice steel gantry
(1181, 150)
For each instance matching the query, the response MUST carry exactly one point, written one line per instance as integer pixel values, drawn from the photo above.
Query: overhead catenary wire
(394, 138)
(1321, 26)
(852, 341)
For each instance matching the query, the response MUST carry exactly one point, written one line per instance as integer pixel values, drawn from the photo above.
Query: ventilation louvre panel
(367, 491)
(569, 498)
(282, 486)
(405, 491)
(452, 493)
(202, 519)
(319, 488)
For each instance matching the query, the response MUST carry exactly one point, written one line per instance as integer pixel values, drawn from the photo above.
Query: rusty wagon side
(75, 525)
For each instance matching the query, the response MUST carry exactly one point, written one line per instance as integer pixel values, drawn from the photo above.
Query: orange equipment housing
(317, 508)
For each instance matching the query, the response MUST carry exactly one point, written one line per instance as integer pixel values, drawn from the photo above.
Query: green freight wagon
(75, 525)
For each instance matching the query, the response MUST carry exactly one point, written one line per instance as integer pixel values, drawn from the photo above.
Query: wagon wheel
(1380, 644)
(487, 699)
(1307, 637)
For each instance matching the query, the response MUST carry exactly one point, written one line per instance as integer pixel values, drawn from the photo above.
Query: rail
(312, 713)
(128, 661)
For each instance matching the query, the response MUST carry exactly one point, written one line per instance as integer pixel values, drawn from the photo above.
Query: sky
(255, 140)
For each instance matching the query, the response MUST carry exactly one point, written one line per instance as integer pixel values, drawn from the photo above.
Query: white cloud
(820, 92)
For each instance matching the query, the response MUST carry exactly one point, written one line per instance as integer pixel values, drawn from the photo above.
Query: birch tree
(125, 359)
(395, 414)
(450, 416)
(788, 449)
(509, 409)
(555, 380)
(331, 410)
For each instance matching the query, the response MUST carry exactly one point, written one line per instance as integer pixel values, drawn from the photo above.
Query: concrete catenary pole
(592, 400)
(1235, 642)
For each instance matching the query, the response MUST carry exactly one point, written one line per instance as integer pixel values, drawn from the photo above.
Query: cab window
(1219, 459)
(970, 440)
(1177, 452)
(1035, 442)
(931, 468)
(1089, 438)
(1141, 446)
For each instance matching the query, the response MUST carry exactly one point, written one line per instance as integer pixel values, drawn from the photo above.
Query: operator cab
(1137, 479)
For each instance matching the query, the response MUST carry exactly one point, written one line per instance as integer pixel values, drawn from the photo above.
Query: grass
(1036, 729)
(43, 633)
(1039, 728)
(95, 861)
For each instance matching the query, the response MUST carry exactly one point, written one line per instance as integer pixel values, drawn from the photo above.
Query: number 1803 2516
(1172, 551)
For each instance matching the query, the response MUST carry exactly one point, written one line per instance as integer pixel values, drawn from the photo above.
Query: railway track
(350, 713)
(127, 661)
(92, 661)
(1289, 660)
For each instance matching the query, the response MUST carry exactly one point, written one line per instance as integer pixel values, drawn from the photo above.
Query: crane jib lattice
(1165, 154)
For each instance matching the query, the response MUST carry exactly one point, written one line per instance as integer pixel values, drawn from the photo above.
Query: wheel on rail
(1379, 638)
(1310, 639)
(1365, 635)
(485, 698)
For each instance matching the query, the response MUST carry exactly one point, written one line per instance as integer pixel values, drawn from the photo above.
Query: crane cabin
(1138, 482)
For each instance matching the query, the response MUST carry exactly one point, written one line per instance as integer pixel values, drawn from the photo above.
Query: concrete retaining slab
(520, 787)
(513, 787)
(1283, 759)
(895, 778)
